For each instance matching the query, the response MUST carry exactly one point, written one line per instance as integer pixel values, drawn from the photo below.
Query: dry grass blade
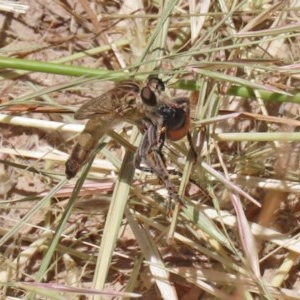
(32, 212)
(8, 6)
(112, 226)
(152, 255)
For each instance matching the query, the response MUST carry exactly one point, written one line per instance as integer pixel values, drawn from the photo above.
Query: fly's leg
(192, 147)
(152, 156)
(148, 140)
(163, 174)
(143, 152)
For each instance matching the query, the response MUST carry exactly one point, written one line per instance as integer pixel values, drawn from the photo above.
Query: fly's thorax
(129, 94)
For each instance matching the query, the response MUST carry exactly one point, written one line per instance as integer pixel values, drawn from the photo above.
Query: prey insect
(174, 124)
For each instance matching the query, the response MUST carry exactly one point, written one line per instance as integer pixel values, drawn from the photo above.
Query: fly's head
(152, 90)
(151, 95)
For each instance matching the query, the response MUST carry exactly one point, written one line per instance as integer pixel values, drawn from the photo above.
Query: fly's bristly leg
(142, 154)
(151, 155)
(192, 147)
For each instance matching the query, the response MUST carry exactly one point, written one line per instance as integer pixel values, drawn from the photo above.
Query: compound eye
(148, 96)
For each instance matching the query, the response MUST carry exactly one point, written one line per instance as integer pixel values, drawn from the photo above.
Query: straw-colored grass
(106, 233)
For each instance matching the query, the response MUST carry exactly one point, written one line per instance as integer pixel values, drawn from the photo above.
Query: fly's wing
(113, 104)
(116, 105)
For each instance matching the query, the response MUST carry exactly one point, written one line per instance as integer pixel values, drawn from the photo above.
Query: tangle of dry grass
(106, 232)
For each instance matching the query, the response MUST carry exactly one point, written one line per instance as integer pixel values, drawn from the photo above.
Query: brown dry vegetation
(241, 178)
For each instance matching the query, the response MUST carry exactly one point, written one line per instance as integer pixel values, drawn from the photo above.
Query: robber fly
(123, 103)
